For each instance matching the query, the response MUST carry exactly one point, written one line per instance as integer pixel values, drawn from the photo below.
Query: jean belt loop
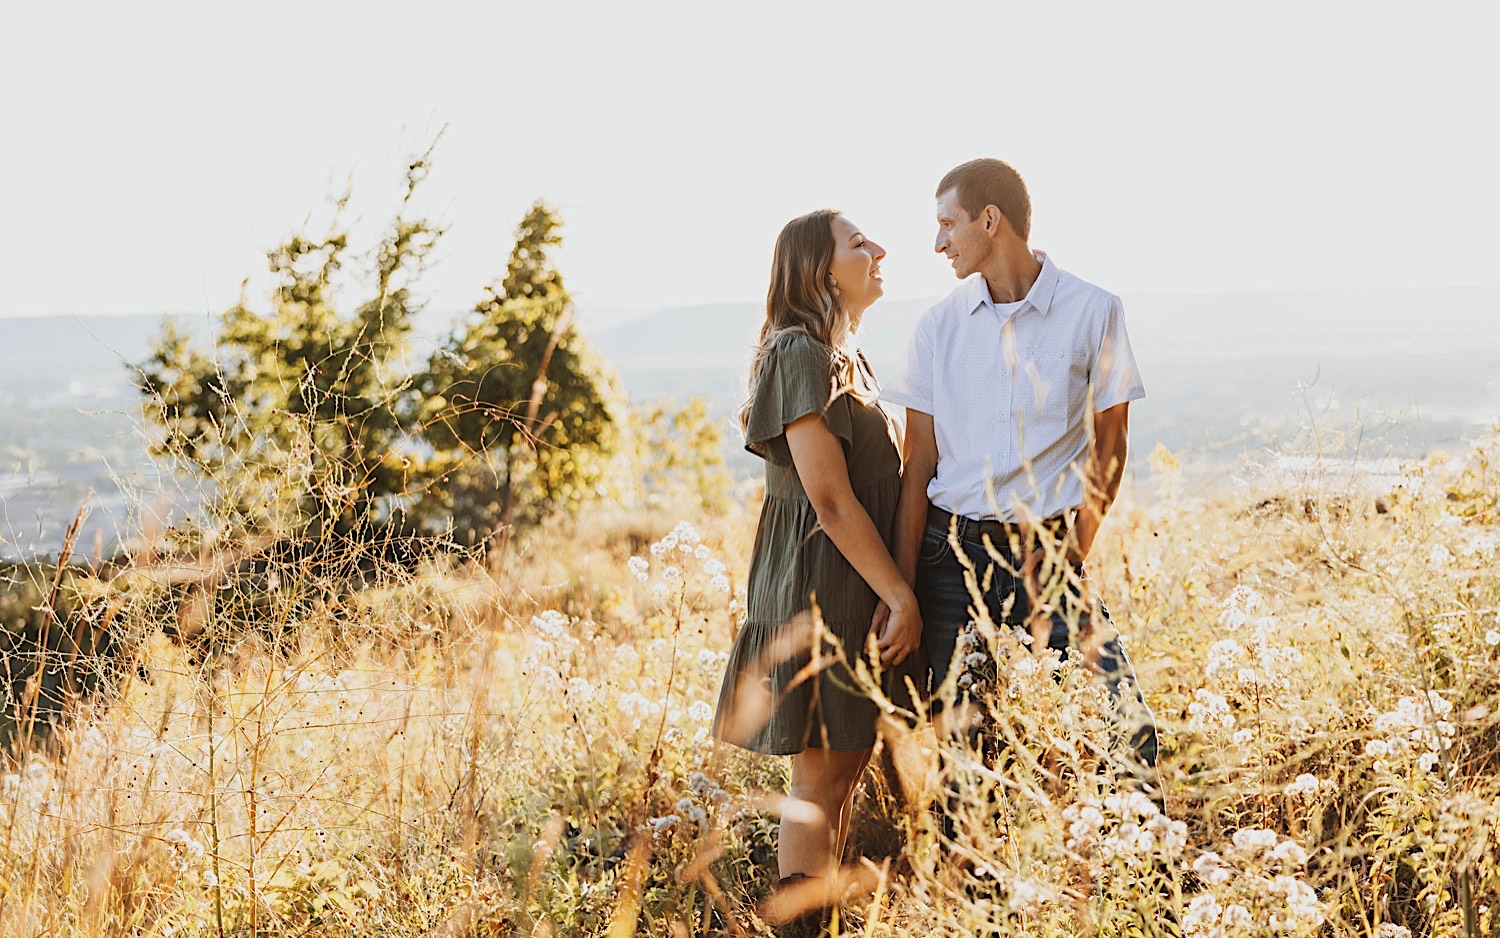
(961, 523)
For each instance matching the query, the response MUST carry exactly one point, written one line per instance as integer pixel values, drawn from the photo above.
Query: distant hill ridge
(50, 355)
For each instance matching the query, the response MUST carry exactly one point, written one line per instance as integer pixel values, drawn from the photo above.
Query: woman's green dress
(776, 698)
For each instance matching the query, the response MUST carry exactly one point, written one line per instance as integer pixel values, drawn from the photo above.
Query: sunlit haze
(154, 152)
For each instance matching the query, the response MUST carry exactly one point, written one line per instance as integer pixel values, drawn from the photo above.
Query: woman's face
(855, 266)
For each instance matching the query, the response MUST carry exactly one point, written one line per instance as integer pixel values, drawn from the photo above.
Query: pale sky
(152, 152)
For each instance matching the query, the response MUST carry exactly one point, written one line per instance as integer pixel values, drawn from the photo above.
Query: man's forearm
(1106, 469)
(911, 521)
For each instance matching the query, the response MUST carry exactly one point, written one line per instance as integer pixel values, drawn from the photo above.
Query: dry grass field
(456, 751)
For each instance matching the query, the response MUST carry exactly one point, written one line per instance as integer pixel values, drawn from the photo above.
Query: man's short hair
(987, 181)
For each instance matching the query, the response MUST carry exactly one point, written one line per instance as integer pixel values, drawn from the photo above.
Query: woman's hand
(899, 634)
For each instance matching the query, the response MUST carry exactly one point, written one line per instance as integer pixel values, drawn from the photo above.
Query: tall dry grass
(450, 751)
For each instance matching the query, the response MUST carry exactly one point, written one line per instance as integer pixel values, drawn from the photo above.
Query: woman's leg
(814, 822)
(847, 810)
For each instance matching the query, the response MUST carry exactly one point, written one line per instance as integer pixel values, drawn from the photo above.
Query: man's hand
(1075, 598)
(1038, 621)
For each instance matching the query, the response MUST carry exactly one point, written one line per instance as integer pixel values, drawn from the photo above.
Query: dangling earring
(833, 285)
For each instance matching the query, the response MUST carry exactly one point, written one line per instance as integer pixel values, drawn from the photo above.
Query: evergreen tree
(301, 421)
(297, 417)
(519, 407)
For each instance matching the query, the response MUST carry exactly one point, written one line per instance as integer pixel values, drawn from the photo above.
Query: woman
(832, 481)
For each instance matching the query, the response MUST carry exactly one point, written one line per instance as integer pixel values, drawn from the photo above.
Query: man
(1017, 389)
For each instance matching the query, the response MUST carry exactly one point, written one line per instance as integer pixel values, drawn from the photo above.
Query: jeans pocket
(935, 546)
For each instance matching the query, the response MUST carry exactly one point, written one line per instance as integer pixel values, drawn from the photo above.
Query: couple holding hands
(1016, 387)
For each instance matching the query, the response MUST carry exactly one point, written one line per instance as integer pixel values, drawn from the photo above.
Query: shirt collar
(1039, 297)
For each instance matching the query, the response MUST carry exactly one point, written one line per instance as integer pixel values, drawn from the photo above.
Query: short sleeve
(912, 385)
(798, 379)
(1115, 378)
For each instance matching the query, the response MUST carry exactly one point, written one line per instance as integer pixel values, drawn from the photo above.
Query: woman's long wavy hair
(800, 299)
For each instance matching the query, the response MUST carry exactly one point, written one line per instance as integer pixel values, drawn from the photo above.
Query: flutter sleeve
(798, 378)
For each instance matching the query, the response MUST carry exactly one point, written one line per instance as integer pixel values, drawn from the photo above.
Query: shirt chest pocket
(1056, 384)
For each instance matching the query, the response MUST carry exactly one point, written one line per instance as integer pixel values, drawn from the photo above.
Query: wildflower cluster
(1417, 726)
(1246, 673)
(679, 548)
(1126, 828)
(1255, 887)
(185, 853)
(1261, 666)
(693, 809)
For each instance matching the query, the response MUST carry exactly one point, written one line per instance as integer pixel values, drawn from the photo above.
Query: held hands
(897, 633)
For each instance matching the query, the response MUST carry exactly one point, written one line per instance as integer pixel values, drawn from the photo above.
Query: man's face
(961, 239)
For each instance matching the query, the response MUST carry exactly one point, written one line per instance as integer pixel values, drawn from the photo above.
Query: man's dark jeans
(946, 606)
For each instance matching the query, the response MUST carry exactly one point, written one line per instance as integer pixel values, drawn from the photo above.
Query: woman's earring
(833, 285)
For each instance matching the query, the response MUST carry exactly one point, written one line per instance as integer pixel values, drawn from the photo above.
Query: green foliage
(519, 407)
(298, 416)
(305, 422)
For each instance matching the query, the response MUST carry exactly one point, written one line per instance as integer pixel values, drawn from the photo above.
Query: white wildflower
(671, 573)
(1026, 667)
(638, 567)
(1242, 737)
(703, 785)
(701, 552)
(1428, 761)
(1253, 841)
(1492, 637)
(1289, 851)
(1241, 604)
(1209, 709)
(700, 711)
(1025, 896)
(1303, 786)
(551, 623)
(210, 878)
(1378, 748)
(1237, 916)
(714, 567)
(1203, 912)
(1246, 676)
(1439, 706)
(634, 704)
(1171, 836)
(580, 689)
(1210, 868)
(660, 825)
(660, 592)
(1222, 656)
(1302, 907)
(720, 582)
(685, 533)
(1392, 930)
